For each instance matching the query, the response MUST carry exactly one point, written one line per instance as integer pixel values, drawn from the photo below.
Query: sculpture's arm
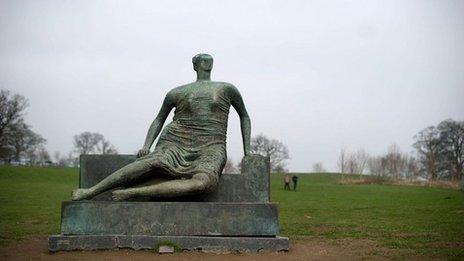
(157, 125)
(237, 102)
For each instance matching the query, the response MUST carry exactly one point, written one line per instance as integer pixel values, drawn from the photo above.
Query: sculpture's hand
(143, 152)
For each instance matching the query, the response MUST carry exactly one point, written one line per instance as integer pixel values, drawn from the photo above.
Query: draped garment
(195, 141)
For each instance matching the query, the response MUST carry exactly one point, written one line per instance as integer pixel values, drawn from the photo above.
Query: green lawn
(427, 220)
(30, 199)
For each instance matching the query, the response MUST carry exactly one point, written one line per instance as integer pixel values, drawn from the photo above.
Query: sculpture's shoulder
(178, 91)
(223, 84)
(228, 88)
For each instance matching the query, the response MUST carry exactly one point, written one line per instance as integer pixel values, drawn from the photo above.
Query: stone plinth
(168, 218)
(235, 217)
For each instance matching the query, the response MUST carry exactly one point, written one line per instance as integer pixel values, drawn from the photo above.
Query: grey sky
(317, 75)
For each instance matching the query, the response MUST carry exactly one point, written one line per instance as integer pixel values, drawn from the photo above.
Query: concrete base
(223, 244)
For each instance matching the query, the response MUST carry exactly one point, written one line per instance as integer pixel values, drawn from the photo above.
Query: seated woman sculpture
(191, 150)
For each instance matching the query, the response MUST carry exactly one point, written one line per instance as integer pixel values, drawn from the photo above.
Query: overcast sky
(317, 75)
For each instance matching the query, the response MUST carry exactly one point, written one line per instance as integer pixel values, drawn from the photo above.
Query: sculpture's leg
(129, 173)
(198, 184)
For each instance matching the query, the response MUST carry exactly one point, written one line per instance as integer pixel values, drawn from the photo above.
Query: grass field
(426, 220)
(30, 200)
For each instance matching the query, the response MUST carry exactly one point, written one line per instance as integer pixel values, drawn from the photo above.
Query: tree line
(19, 144)
(85, 143)
(438, 155)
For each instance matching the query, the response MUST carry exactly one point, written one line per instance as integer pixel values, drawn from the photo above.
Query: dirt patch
(303, 248)
(457, 245)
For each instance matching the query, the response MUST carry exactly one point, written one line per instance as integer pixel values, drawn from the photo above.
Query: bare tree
(361, 158)
(452, 140)
(351, 163)
(318, 167)
(377, 166)
(394, 164)
(274, 149)
(11, 112)
(106, 147)
(429, 147)
(90, 143)
(412, 168)
(86, 142)
(395, 161)
(17, 140)
(342, 161)
(24, 140)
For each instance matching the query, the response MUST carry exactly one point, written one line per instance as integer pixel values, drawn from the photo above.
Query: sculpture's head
(202, 62)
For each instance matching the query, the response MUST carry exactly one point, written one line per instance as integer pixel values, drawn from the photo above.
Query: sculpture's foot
(80, 194)
(120, 195)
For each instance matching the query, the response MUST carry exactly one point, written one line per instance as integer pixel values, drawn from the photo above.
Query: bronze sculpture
(191, 151)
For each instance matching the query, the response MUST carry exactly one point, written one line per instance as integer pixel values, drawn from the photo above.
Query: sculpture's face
(202, 62)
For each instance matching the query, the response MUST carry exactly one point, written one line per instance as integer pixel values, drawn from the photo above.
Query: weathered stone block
(96, 242)
(256, 170)
(168, 218)
(94, 168)
(252, 185)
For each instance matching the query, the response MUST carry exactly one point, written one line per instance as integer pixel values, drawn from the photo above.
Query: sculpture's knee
(155, 163)
(205, 183)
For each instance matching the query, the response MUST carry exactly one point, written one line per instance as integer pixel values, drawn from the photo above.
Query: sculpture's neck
(203, 76)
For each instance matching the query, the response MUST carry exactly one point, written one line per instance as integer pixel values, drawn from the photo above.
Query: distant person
(295, 181)
(287, 182)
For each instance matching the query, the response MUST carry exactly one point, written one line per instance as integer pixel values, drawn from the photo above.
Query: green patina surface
(191, 150)
(252, 185)
(94, 168)
(169, 218)
(256, 169)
